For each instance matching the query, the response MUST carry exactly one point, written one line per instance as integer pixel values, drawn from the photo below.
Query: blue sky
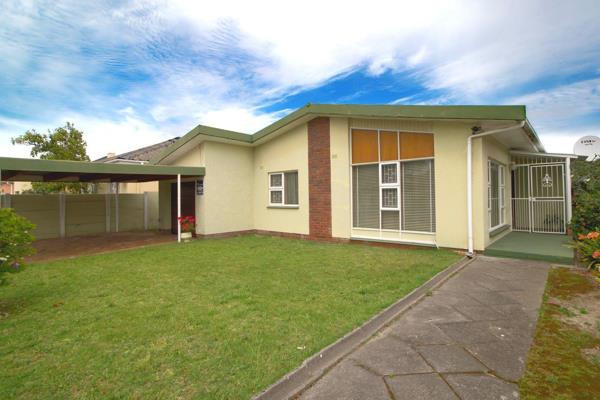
(131, 73)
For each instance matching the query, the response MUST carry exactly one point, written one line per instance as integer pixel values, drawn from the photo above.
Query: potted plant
(188, 226)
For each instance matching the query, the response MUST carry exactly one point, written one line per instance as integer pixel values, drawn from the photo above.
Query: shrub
(586, 196)
(588, 248)
(15, 240)
(586, 212)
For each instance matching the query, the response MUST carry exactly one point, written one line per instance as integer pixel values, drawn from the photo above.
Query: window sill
(498, 230)
(289, 207)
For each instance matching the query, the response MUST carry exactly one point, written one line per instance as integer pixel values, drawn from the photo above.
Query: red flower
(596, 254)
(581, 237)
(593, 235)
(187, 222)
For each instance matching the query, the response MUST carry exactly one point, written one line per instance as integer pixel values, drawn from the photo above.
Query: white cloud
(563, 140)
(102, 135)
(239, 119)
(563, 103)
(179, 63)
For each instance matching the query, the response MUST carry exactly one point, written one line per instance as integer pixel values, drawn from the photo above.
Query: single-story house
(449, 176)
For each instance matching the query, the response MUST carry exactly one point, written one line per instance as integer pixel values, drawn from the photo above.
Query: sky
(133, 73)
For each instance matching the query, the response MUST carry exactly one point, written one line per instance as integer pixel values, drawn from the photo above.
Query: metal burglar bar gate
(538, 198)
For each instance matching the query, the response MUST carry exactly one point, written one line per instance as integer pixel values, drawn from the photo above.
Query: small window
(389, 198)
(389, 174)
(283, 188)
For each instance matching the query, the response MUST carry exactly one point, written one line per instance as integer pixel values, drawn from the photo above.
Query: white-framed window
(496, 194)
(390, 173)
(283, 189)
(389, 185)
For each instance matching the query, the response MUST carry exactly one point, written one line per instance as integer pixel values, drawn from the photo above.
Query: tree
(65, 143)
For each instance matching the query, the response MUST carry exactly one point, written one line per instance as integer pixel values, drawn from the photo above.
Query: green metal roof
(498, 113)
(17, 169)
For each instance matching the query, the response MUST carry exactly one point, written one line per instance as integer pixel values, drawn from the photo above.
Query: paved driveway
(468, 340)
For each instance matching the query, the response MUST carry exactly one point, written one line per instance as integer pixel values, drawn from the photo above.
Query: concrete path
(468, 340)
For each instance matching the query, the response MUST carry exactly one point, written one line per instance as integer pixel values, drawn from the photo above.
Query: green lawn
(212, 319)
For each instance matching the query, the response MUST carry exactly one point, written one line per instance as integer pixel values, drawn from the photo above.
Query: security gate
(538, 198)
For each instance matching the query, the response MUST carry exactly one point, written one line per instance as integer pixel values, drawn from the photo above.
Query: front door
(538, 198)
(188, 202)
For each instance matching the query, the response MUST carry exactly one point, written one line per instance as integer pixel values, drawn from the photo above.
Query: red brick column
(319, 178)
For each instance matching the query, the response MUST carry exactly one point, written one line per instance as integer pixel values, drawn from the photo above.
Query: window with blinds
(365, 196)
(418, 196)
(393, 180)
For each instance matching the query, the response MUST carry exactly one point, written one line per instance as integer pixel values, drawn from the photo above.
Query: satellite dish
(588, 146)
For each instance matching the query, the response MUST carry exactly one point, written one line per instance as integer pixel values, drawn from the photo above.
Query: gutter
(470, 179)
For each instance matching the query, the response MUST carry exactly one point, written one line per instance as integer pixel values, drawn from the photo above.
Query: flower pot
(187, 236)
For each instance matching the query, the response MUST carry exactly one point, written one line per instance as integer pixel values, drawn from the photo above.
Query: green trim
(497, 113)
(36, 166)
(201, 130)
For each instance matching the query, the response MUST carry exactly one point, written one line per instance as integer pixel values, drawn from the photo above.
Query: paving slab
(418, 333)
(450, 358)
(468, 339)
(429, 311)
(390, 356)
(517, 311)
(506, 361)
(348, 382)
(480, 313)
(422, 386)
(469, 332)
(482, 387)
(492, 297)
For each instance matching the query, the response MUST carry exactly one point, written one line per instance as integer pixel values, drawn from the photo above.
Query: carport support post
(107, 209)
(145, 211)
(179, 208)
(568, 191)
(61, 214)
(117, 208)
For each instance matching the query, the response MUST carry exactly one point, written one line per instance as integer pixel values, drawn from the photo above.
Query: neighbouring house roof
(30, 169)
(141, 154)
(477, 113)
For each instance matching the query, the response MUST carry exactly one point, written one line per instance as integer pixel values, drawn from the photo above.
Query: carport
(36, 170)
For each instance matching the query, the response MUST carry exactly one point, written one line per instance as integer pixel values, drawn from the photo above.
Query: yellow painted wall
(340, 178)
(284, 153)
(228, 189)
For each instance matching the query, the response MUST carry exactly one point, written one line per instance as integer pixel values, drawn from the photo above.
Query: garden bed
(564, 361)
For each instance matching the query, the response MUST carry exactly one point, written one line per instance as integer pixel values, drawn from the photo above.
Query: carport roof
(36, 170)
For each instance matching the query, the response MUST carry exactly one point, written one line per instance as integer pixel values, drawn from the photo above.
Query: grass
(556, 368)
(212, 319)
